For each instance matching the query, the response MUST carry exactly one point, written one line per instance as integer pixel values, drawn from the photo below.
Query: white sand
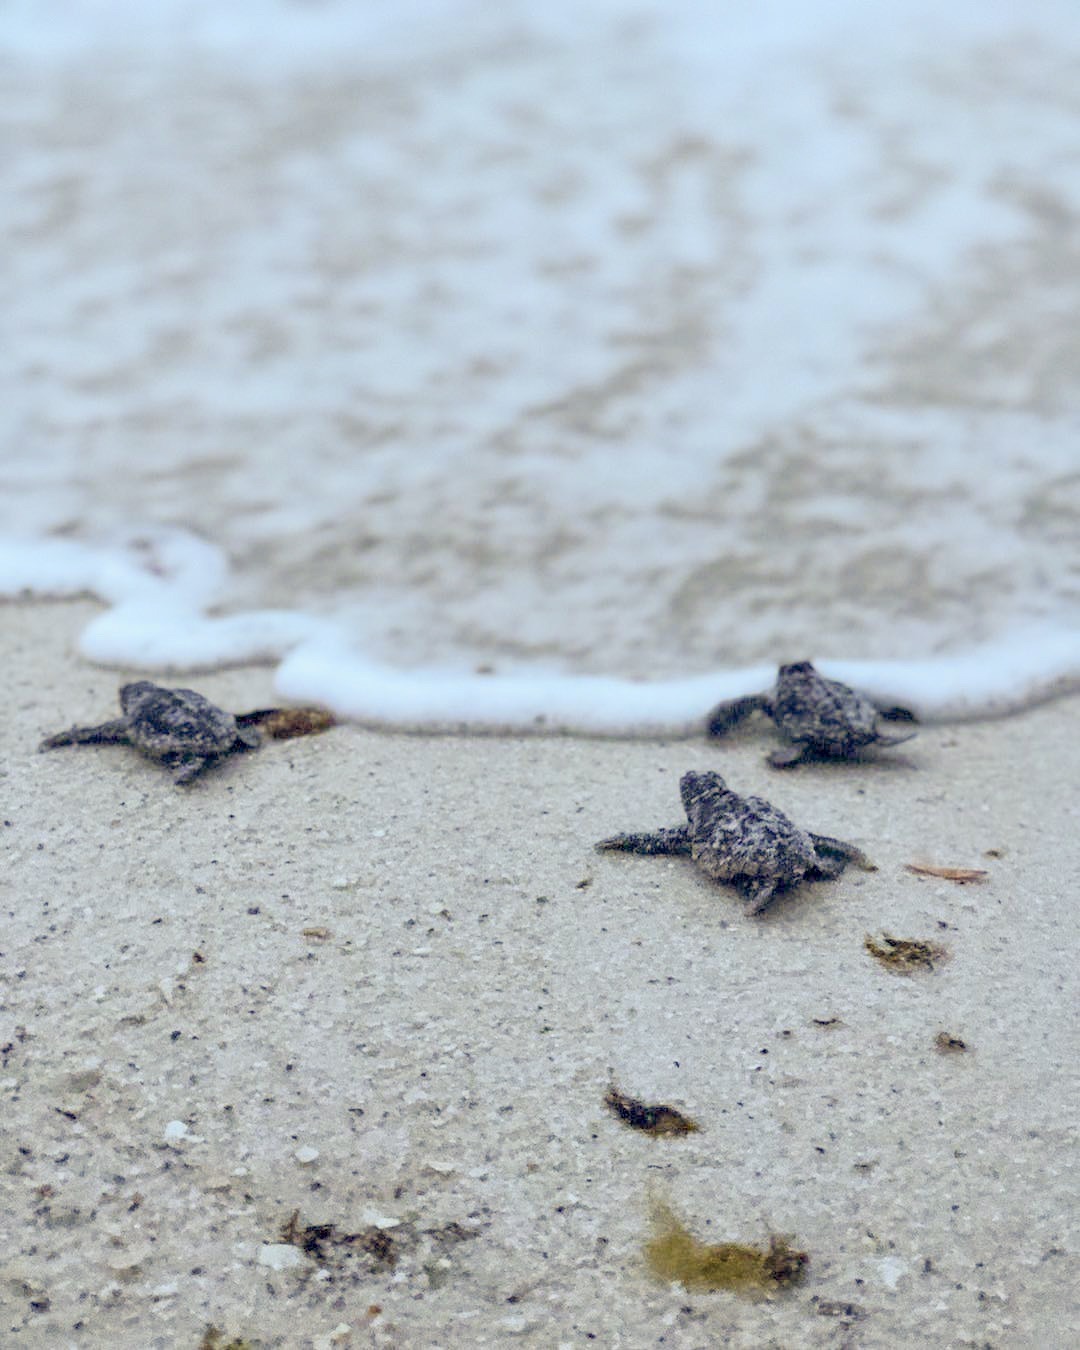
(446, 1045)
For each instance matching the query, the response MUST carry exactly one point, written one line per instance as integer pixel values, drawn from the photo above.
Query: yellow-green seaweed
(674, 1254)
(213, 1339)
(905, 955)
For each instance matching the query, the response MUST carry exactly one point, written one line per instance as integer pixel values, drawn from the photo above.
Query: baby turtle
(824, 718)
(179, 727)
(743, 840)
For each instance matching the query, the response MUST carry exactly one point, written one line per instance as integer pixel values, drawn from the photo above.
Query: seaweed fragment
(284, 724)
(449, 1234)
(324, 1243)
(847, 1312)
(674, 1254)
(960, 874)
(905, 955)
(945, 1044)
(655, 1120)
(214, 1339)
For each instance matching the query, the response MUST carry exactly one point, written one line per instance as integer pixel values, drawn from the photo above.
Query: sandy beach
(382, 982)
(626, 341)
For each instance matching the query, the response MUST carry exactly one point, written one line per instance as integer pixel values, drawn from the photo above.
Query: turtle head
(694, 786)
(133, 696)
(796, 669)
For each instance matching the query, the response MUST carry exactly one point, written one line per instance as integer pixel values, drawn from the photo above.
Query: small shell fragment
(280, 1256)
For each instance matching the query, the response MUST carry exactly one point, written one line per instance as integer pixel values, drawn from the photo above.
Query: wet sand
(383, 981)
(743, 347)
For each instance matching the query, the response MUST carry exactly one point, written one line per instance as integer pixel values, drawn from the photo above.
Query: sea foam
(159, 585)
(620, 350)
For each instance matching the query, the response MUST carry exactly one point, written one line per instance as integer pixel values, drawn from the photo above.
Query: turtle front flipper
(759, 893)
(788, 756)
(727, 715)
(675, 840)
(188, 767)
(833, 855)
(894, 713)
(108, 733)
(886, 738)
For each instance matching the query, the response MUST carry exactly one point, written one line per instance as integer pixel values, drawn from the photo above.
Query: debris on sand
(961, 874)
(674, 1254)
(657, 1120)
(284, 724)
(905, 955)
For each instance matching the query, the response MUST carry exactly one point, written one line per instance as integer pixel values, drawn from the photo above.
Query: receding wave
(161, 588)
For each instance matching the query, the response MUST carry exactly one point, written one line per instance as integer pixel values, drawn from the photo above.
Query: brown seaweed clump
(905, 955)
(325, 1243)
(656, 1120)
(946, 1044)
(674, 1254)
(283, 724)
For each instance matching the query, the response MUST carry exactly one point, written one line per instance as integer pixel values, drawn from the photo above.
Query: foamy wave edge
(161, 585)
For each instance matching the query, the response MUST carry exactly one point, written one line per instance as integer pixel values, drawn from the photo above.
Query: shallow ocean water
(612, 340)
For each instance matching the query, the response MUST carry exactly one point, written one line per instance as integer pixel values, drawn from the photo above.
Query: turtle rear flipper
(672, 841)
(835, 854)
(108, 733)
(729, 714)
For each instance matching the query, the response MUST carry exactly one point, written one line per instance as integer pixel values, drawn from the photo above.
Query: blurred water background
(638, 338)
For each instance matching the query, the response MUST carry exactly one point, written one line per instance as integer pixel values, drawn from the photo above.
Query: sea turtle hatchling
(823, 718)
(179, 727)
(743, 840)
